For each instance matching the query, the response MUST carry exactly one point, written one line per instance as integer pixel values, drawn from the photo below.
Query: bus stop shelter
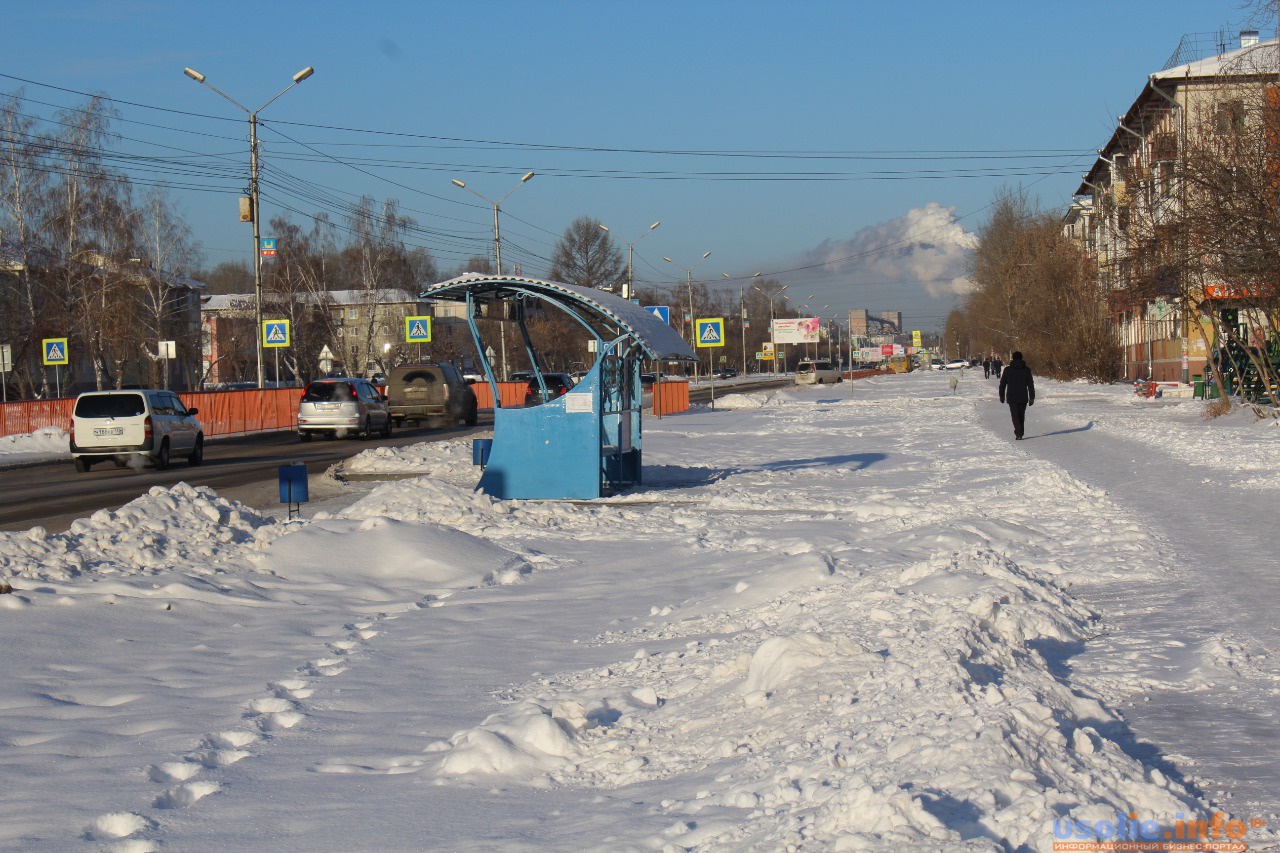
(586, 443)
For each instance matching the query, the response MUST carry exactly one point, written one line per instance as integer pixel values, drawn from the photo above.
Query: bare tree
(1035, 291)
(587, 257)
(377, 258)
(23, 194)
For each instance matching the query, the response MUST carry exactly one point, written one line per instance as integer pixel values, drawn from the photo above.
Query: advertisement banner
(796, 330)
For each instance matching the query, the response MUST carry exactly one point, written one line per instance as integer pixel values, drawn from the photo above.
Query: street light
(626, 294)
(497, 247)
(497, 205)
(253, 195)
(772, 319)
(689, 270)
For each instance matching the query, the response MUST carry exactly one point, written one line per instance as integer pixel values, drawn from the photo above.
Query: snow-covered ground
(865, 621)
(40, 446)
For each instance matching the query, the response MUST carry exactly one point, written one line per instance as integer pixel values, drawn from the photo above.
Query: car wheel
(162, 458)
(472, 416)
(304, 437)
(366, 431)
(197, 455)
(120, 461)
(82, 464)
(386, 429)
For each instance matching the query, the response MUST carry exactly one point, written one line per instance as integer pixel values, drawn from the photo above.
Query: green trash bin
(1197, 385)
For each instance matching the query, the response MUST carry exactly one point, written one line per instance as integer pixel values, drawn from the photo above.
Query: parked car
(937, 364)
(143, 424)
(434, 392)
(558, 384)
(957, 364)
(727, 372)
(342, 407)
(816, 372)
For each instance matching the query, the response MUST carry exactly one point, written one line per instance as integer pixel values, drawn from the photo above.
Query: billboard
(796, 330)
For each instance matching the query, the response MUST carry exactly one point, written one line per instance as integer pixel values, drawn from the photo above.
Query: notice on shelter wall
(575, 403)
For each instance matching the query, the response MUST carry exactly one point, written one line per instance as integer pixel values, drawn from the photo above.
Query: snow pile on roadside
(46, 443)
(930, 714)
(182, 526)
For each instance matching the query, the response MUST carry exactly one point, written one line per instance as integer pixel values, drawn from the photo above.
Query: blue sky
(872, 116)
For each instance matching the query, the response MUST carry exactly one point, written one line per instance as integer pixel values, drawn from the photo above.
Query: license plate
(108, 431)
(326, 407)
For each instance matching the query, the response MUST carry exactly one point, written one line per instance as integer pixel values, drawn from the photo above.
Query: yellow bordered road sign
(55, 351)
(275, 333)
(710, 331)
(417, 330)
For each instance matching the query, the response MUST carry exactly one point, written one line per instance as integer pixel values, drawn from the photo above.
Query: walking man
(986, 367)
(1018, 388)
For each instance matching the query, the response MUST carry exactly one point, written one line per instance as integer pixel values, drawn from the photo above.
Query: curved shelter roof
(658, 340)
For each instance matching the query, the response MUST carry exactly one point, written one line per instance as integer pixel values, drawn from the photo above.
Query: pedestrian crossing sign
(275, 333)
(417, 330)
(55, 351)
(710, 332)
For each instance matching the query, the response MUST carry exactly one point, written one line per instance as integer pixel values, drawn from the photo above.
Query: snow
(847, 618)
(39, 446)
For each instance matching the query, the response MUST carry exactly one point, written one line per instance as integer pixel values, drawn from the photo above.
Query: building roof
(244, 301)
(1253, 60)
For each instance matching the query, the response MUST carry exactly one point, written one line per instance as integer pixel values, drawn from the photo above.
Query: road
(53, 494)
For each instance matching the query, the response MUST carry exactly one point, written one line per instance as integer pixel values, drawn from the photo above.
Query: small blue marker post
(293, 487)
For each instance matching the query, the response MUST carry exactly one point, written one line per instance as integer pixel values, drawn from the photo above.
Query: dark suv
(558, 384)
(430, 392)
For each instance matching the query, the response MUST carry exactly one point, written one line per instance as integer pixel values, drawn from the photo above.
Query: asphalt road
(53, 494)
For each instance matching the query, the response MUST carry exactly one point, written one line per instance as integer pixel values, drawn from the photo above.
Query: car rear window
(421, 377)
(110, 406)
(329, 391)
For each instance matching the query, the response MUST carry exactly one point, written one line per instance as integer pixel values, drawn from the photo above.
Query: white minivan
(812, 371)
(134, 425)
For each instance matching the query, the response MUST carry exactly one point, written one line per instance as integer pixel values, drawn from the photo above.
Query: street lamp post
(497, 246)
(631, 281)
(689, 271)
(253, 195)
(772, 319)
(497, 206)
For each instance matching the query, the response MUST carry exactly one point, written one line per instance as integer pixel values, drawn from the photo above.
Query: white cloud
(927, 245)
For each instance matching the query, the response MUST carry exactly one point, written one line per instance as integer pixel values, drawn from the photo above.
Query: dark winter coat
(1016, 383)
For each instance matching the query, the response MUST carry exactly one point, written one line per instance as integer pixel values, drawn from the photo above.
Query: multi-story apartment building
(346, 331)
(1127, 205)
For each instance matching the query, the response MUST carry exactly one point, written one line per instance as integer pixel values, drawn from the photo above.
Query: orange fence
(224, 413)
(221, 412)
(512, 394)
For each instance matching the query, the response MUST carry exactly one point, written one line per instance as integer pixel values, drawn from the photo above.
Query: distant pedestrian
(1018, 388)
(997, 366)
(955, 380)
(986, 368)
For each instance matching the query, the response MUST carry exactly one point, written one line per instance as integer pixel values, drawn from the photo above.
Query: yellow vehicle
(900, 363)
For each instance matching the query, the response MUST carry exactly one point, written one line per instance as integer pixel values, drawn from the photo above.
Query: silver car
(341, 408)
(134, 426)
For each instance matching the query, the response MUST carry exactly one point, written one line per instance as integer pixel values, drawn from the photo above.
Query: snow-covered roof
(657, 338)
(1257, 58)
(241, 301)
(1253, 60)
